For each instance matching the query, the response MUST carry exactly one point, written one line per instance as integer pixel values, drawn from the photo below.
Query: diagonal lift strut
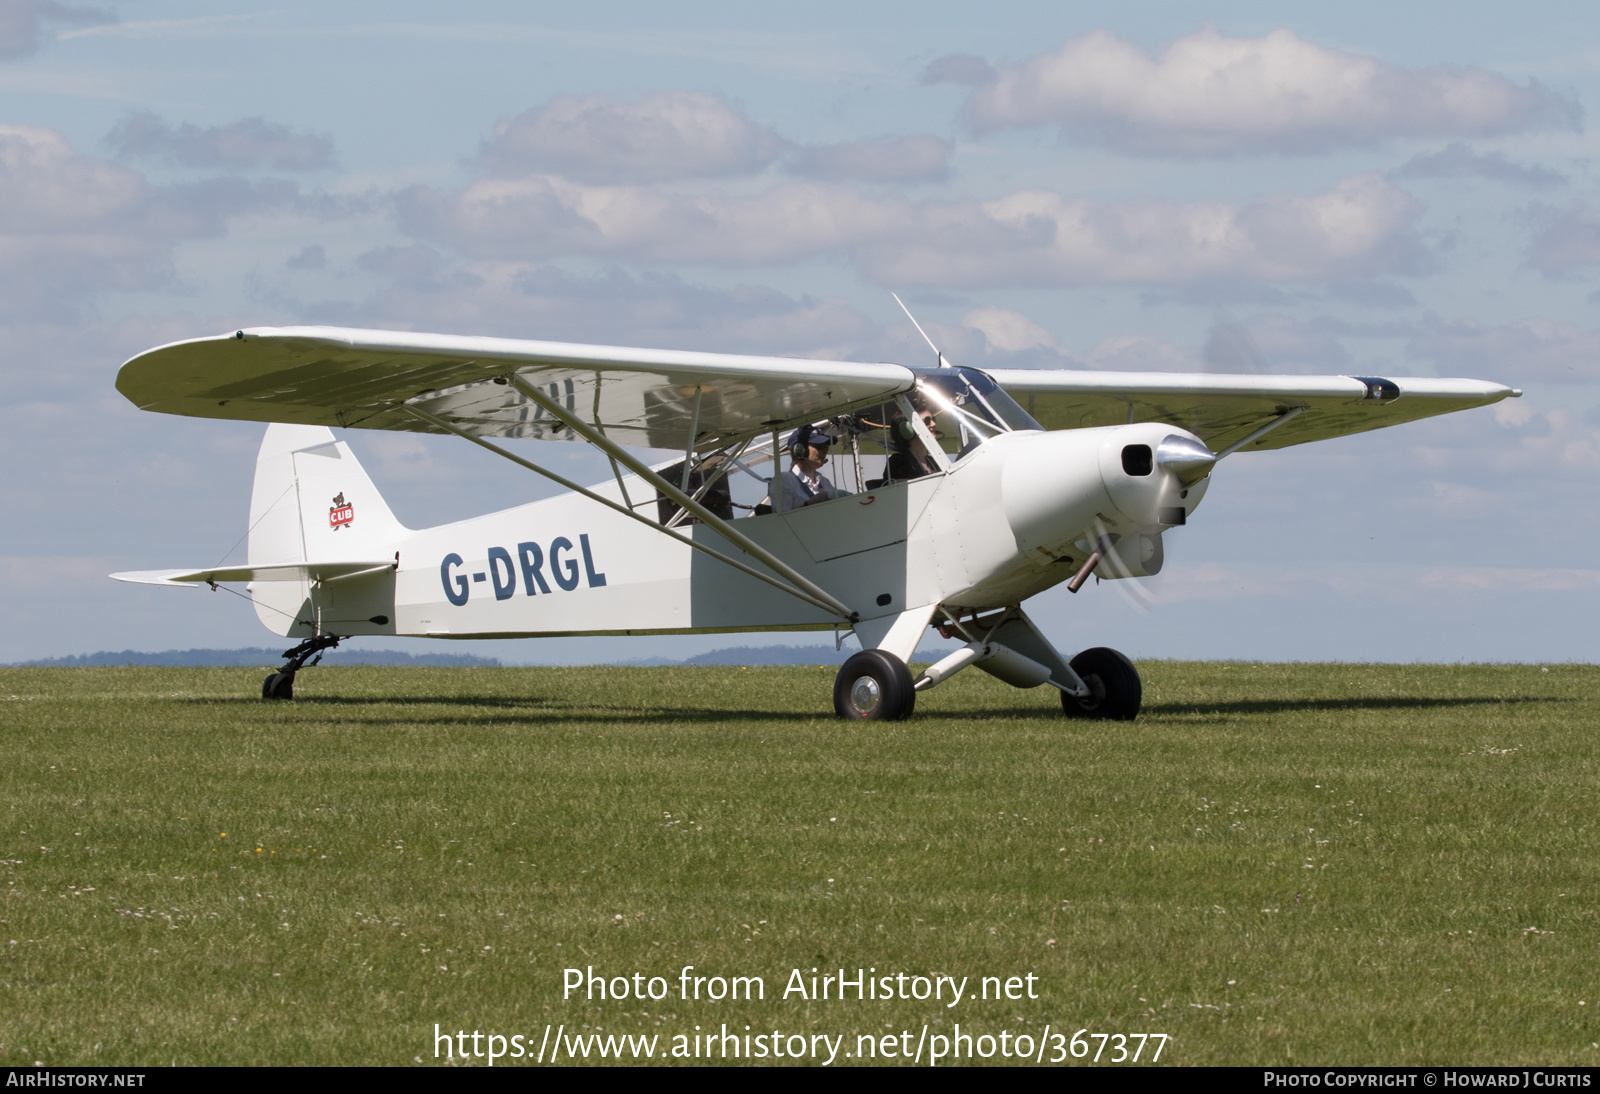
(830, 605)
(816, 593)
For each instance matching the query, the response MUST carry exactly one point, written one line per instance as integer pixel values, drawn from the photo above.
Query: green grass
(1288, 864)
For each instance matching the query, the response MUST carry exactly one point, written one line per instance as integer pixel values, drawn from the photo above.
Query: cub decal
(341, 513)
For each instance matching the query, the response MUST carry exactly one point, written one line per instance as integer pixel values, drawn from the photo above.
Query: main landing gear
(874, 686)
(1114, 688)
(1101, 684)
(280, 685)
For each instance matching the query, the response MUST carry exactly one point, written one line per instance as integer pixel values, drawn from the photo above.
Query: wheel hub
(865, 695)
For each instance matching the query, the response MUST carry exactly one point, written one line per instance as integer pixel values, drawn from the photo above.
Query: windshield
(971, 407)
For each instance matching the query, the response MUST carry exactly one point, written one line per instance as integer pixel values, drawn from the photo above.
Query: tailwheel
(874, 686)
(280, 685)
(1114, 689)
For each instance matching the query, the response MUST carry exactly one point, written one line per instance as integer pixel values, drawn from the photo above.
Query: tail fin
(312, 502)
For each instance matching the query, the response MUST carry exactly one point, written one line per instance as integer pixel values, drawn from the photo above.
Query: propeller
(1230, 347)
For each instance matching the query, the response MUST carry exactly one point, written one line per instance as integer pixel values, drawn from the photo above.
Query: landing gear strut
(280, 685)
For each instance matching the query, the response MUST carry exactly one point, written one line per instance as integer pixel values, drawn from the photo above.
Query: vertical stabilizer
(312, 502)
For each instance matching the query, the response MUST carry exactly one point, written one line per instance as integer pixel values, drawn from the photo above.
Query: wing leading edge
(363, 378)
(1224, 409)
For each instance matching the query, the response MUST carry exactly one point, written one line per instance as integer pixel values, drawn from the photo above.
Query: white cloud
(1264, 343)
(22, 22)
(919, 158)
(68, 222)
(1182, 581)
(1531, 461)
(1532, 349)
(1568, 240)
(615, 307)
(1502, 577)
(1514, 413)
(73, 225)
(1139, 353)
(310, 257)
(248, 143)
(1361, 227)
(600, 138)
(1210, 95)
(50, 187)
(958, 68)
(538, 215)
(1273, 343)
(1008, 331)
(1215, 581)
(1458, 160)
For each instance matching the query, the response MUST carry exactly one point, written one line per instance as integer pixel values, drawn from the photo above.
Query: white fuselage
(1014, 517)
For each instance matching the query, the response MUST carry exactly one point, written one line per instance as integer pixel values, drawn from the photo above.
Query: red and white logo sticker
(341, 513)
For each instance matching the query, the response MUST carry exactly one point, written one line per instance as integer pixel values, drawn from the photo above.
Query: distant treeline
(777, 655)
(772, 655)
(257, 657)
(263, 657)
(752, 655)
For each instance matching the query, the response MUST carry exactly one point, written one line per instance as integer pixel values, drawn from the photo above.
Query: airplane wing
(336, 376)
(1224, 409)
(637, 397)
(271, 571)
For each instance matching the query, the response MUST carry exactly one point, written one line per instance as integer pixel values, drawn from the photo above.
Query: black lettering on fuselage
(530, 561)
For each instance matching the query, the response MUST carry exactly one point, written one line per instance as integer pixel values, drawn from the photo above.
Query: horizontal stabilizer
(270, 571)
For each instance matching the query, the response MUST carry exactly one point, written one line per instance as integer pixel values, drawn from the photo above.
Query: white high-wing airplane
(969, 493)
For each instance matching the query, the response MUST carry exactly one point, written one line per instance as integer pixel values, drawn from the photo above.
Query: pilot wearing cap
(805, 484)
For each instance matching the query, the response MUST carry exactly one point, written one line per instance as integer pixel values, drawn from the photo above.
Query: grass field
(1287, 864)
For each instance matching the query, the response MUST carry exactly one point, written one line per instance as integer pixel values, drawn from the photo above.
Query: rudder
(311, 502)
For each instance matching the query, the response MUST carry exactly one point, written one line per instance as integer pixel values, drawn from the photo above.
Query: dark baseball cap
(810, 434)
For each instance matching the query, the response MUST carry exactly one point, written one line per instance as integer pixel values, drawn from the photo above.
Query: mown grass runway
(1288, 864)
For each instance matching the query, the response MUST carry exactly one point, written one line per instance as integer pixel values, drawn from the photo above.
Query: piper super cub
(959, 493)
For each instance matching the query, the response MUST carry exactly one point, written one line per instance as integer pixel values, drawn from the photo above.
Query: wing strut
(433, 419)
(1292, 412)
(705, 488)
(615, 470)
(694, 435)
(815, 593)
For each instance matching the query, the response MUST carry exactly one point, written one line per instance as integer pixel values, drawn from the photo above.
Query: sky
(1225, 187)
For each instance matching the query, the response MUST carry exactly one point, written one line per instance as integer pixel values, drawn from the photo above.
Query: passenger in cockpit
(910, 458)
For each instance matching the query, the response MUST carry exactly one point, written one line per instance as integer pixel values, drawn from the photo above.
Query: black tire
(874, 686)
(280, 685)
(1114, 685)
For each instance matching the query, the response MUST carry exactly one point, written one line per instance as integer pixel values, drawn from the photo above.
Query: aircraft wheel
(874, 686)
(280, 685)
(1115, 691)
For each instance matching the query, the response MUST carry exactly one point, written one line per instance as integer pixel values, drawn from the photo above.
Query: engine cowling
(1128, 480)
